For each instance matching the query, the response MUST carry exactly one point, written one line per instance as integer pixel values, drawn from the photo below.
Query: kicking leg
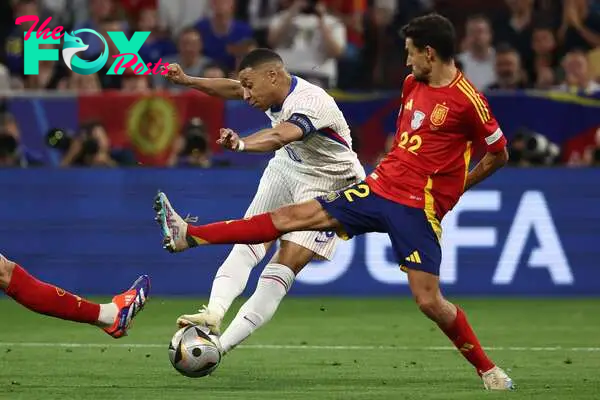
(43, 298)
(273, 284)
(453, 322)
(262, 228)
(230, 281)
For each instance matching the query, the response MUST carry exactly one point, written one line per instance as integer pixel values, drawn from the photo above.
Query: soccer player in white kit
(313, 157)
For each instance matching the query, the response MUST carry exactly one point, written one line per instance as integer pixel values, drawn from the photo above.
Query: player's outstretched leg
(179, 236)
(274, 283)
(453, 322)
(230, 281)
(114, 318)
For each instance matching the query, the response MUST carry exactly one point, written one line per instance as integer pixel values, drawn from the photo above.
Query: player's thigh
(293, 255)
(6, 269)
(414, 239)
(356, 209)
(272, 193)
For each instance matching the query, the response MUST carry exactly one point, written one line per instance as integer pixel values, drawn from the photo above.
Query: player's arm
(490, 163)
(218, 87)
(486, 130)
(264, 141)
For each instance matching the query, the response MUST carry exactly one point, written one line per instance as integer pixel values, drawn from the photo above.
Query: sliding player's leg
(178, 235)
(43, 298)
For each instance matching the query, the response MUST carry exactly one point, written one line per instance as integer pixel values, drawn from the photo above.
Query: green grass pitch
(313, 349)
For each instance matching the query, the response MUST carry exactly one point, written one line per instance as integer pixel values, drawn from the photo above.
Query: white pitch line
(296, 347)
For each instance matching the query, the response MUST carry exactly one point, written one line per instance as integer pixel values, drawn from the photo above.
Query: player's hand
(175, 74)
(229, 139)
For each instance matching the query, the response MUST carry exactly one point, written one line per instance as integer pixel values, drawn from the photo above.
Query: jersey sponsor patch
(417, 120)
(494, 137)
(302, 122)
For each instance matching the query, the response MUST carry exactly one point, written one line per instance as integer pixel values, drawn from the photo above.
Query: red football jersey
(437, 129)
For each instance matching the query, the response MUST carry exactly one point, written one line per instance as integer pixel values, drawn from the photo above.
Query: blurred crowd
(345, 44)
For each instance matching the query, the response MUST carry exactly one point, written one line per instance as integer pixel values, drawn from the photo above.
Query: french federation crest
(439, 114)
(417, 120)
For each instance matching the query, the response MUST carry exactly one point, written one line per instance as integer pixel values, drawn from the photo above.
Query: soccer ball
(193, 353)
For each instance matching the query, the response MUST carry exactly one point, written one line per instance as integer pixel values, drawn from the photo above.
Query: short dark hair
(505, 48)
(258, 57)
(435, 31)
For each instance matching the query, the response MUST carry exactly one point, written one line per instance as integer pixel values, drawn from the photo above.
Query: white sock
(231, 278)
(108, 313)
(273, 284)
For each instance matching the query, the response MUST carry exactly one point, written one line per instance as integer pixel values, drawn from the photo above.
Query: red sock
(50, 300)
(255, 230)
(463, 337)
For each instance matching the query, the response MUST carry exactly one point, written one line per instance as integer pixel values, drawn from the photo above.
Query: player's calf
(6, 269)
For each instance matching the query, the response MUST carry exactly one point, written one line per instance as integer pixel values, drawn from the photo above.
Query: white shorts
(277, 189)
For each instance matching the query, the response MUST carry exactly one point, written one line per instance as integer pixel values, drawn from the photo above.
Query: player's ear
(429, 53)
(272, 76)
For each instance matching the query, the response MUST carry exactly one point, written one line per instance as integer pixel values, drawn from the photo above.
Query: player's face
(420, 60)
(258, 87)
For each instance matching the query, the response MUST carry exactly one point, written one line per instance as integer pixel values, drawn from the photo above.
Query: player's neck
(284, 90)
(442, 75)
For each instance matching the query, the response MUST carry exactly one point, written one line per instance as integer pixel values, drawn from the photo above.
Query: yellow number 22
(414, 142)
(362, 193)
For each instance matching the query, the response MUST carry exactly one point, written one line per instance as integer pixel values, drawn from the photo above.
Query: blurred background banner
(150, 124)
(521, 233)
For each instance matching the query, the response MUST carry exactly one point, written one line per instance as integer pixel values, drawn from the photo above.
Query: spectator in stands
(84, 84)
(543, 60)
(192, 149)
(260, 13)
(578, 78)
(508, 69)
(13, 46)
(580, 28)
(225, 38)
(108, 25)
(189, 57)
(516, 28)
(383, 55)
(176, 15)
(4, 79)
(52, 74)
(135, 84)
(352, 14)
(100, 12)
(90, 148)
(478, 58)
(309, 40)
(12, 153)
(214, 71)
(158, 45)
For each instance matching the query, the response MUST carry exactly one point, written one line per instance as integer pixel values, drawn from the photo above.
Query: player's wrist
(241, 146)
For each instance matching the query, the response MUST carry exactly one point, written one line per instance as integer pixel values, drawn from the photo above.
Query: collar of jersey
(276, 109)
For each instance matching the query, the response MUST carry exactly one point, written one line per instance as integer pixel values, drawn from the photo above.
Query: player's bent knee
(430, 304)
(6, 269)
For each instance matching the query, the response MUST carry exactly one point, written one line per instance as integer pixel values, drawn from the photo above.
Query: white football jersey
(324, 157)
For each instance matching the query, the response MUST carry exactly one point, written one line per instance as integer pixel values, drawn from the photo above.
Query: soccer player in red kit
(114, 317)
(442, 118)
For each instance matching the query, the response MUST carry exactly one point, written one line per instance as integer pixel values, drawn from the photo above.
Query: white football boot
(173, 227)
(205, 317)
(497, 379)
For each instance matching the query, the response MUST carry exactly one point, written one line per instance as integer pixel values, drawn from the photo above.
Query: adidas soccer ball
(193, 353)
